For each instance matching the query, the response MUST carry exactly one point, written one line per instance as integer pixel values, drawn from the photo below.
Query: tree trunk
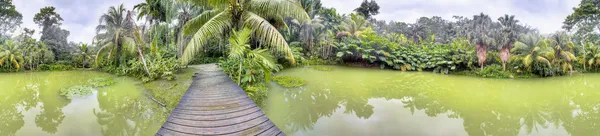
(481, 54)
(505, 56)
(143, 61)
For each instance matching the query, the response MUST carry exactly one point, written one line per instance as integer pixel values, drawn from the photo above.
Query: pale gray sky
(81, 16)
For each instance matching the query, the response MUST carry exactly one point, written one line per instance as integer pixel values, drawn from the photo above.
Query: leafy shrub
(43, 67)
(205, 60)
(54, 67)
(159, 68)
(321, 68)
(64, 62)
(76, 91)
(289, 82)
(439, 58)
(494, 71)
(61, 67)
(101, 82)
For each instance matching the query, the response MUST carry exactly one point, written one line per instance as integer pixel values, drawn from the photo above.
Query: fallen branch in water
(152, 98)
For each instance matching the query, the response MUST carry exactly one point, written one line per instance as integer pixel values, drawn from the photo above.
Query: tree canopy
(368, 9)
(10, 18)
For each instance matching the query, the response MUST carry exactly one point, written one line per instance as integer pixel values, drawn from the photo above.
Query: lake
(30, 105)
(357, 101)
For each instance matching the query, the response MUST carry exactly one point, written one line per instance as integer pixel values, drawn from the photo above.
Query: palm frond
(192, 26)
(129, 44)
(528, 60)
(216, 26)
(278, 8)
(209, 3)
(103, 50)
(266, 33)
(543, 60)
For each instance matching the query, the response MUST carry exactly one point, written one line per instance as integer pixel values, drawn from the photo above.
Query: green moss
(289, 82)
(321, 68)
(76, 91)
(101, 82)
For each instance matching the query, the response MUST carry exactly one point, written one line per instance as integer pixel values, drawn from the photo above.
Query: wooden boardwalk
(215, 105)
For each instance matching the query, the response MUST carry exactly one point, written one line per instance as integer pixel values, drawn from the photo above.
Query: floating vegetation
(76, 91)
(321, 68)
(101, 82)
(289, 82)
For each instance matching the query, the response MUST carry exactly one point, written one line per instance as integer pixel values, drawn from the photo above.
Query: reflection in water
(465, 105)
(30, 104)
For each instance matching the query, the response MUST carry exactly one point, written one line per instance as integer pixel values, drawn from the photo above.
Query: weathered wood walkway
(215, 105)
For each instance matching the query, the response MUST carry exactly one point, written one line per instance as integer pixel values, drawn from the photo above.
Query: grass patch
(169, 92)
(321, 68)
(289, 82)
(76, 91)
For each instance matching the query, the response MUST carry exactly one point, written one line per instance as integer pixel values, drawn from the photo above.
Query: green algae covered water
(356, 101)
(30, 105)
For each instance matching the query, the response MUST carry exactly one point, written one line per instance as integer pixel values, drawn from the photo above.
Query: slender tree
(10, 18)
(117, 36)
(480, 33)
(508, 38)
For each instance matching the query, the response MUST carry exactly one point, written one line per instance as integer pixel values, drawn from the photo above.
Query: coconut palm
(353, 26)
(153, 10)
(84, 55)
(563, 48)
(538, 51)
(591, 57)
(227, 15)
(118, 37)
(11, 54)
(509, 37)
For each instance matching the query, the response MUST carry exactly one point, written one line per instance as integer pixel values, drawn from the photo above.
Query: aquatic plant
(76, 91)
(321, 68)
(289, 82)
(101, 82)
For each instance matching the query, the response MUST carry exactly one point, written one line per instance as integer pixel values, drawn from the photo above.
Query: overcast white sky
(81, 16)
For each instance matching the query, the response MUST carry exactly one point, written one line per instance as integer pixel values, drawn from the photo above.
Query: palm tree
(353, 26)
(84, 55)
(11, 54)
(563, 48)
(240, 50)
(183, 11)
(153, 10)
(230, 15)
(481, 24)
(591, 57)
(118, 36)
(417, 30)
(538, 51)
(509, 37)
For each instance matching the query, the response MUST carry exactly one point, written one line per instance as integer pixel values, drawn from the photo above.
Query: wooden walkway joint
(215, 105)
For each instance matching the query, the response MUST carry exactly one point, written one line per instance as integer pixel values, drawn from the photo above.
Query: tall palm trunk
(481, 54)
(505, 56)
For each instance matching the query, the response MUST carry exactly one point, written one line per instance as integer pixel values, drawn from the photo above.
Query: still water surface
(30, 105)
(355, 101)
